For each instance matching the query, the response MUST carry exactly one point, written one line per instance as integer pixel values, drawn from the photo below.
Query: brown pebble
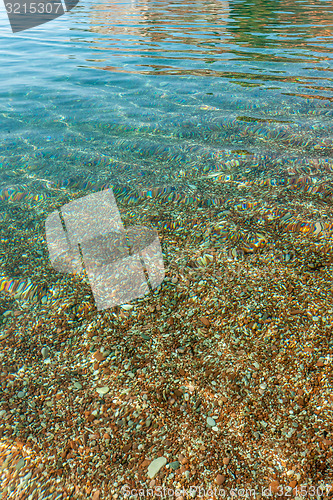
(220, 478)
(205, 321)
(274, 486)
(98, 356)
(293, 483)
(96, 495)
(320, 363)
(226, 460)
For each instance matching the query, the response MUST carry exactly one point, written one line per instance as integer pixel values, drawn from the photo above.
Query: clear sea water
(163, 85)
(151, 92)
(163, 93)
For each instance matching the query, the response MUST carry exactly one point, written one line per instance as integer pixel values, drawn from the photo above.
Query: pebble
(20, 464)
(220, 478)
(96, 495)
(263, 386)
(211, 422)
(274, 486)
(77, 385)
(226, 460)
(205, 321)
(174, 465)
(21, 394)
(103, 390)
(45, 352)
(155, 466)
(98, 356)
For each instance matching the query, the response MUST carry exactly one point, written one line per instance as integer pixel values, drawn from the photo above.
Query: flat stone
(21, 394)
(220, 478)
(103, 390)
(20, 464)
(77, 385)
(45, 352)
(274, 486)
(155, 466)
(174, 465)
(287, 216)
(205, 321)
(211, 422)
(98, 356)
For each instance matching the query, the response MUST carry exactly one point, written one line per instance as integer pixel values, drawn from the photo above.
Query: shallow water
(212, 121)
(212, 103)
(163, 86)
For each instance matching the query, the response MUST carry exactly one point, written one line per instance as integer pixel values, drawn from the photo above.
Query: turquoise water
(212, 120)
(111, 89)
(148, 94)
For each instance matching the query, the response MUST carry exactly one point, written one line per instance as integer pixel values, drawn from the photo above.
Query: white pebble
(155, 466)
(211, 422)
(103, 390)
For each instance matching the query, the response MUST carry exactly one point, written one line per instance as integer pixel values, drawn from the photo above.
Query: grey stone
(211, 422)
(45, 352)
(20, 464)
